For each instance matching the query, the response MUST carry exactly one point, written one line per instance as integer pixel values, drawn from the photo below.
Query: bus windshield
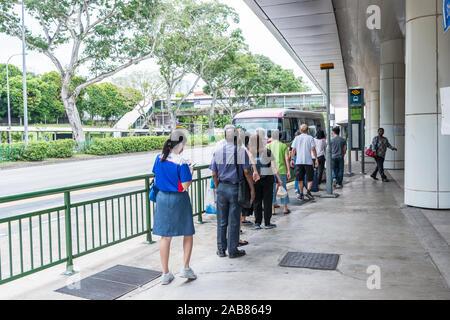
(251, 124)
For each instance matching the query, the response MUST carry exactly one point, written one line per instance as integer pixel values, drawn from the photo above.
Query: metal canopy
(321, 31)
(308, 31)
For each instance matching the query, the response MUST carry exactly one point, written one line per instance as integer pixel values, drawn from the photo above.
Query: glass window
(250, 125)
(311, 127)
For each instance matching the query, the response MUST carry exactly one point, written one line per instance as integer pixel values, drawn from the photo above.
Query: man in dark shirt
(380, 145)
(338, 151)
(226, 180)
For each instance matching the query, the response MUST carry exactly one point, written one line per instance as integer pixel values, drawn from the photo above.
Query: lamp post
(7, 94)
(25, 106)
(329, 194)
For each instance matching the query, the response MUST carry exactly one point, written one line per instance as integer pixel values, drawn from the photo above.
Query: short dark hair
(269, 133)
(337, 130)
(380, 129)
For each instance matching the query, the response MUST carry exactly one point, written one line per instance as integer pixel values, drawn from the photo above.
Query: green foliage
(196, 34)
(36, 151)
(110, 146)
(197, 140)
(44, 97)
(60, 148)
(106, 100)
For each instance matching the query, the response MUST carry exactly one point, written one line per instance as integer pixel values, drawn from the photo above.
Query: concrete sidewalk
(365, 225)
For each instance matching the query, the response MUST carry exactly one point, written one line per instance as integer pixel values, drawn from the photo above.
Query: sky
(258, 37)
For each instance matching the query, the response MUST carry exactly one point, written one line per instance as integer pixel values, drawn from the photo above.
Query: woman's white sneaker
(188, 273)
(167, 278)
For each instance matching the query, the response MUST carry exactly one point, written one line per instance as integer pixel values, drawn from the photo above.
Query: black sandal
(287, 212)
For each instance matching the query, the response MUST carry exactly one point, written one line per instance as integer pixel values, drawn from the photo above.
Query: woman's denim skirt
(173, 215)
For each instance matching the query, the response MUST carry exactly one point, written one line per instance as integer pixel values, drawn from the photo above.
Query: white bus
(288, 121)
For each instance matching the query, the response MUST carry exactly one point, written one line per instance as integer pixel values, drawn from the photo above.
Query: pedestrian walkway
(365, 225)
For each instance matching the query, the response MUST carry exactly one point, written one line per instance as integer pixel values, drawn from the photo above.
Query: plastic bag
(282, 193)
(210, 201)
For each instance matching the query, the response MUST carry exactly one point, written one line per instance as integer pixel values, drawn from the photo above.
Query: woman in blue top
(173, 215)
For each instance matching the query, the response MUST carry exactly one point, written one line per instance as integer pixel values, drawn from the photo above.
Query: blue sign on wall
(446, 14)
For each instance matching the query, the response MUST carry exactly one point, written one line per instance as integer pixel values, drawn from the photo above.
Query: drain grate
(320, 261)
(111, 283)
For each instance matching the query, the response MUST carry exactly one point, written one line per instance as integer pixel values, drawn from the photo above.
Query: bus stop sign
(356, 103)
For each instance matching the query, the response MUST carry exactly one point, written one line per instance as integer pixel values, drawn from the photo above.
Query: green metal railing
(10, 153)
(81, 147)
(41, 239)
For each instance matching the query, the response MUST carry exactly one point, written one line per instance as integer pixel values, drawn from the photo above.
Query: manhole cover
(320, 261)
(111, 283)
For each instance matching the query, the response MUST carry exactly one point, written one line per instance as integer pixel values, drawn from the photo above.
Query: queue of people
(265, 166)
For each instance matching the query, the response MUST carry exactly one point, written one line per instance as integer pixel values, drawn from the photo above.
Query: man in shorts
(303, 147)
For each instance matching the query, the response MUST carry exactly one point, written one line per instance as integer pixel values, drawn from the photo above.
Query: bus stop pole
(363, 135)
(328, 155)
(329, 193)
(349, 140)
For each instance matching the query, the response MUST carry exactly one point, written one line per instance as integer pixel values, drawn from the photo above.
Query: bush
(109, 146)
(36, 151)
(60, 148)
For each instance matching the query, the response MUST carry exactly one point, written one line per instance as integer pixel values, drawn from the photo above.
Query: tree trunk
(74, 117)
(211, 114)
(173, 122)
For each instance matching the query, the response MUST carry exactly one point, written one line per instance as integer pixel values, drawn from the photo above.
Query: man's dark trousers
(228, 216)
(379, 168)
(337, 164)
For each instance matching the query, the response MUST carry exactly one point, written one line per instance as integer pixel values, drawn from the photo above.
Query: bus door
(287, 127)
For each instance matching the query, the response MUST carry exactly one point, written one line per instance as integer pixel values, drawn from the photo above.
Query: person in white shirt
(304, 148)
(321, 145)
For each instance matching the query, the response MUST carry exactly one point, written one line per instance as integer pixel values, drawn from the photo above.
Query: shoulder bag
(244, 189)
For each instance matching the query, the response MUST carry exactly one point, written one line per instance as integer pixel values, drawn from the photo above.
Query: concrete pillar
(373, 112)
(392, 100)
(427, 151)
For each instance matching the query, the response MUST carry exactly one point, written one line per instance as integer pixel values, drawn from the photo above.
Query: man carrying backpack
(380, 145)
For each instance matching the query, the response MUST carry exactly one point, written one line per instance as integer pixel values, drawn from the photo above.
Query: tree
(105, 100)
(12, 71)
(51, 106)
(258, 76)
(245, 80)
(193, 38)
(16, 96)
(277, 79)
(150, 88)
(219, 74)
(106, 36)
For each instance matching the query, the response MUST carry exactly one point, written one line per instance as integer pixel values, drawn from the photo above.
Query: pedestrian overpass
(398, 52)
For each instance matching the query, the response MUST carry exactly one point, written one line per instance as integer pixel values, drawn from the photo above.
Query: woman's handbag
(153, 192)
(244, 195)
(370, 152)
